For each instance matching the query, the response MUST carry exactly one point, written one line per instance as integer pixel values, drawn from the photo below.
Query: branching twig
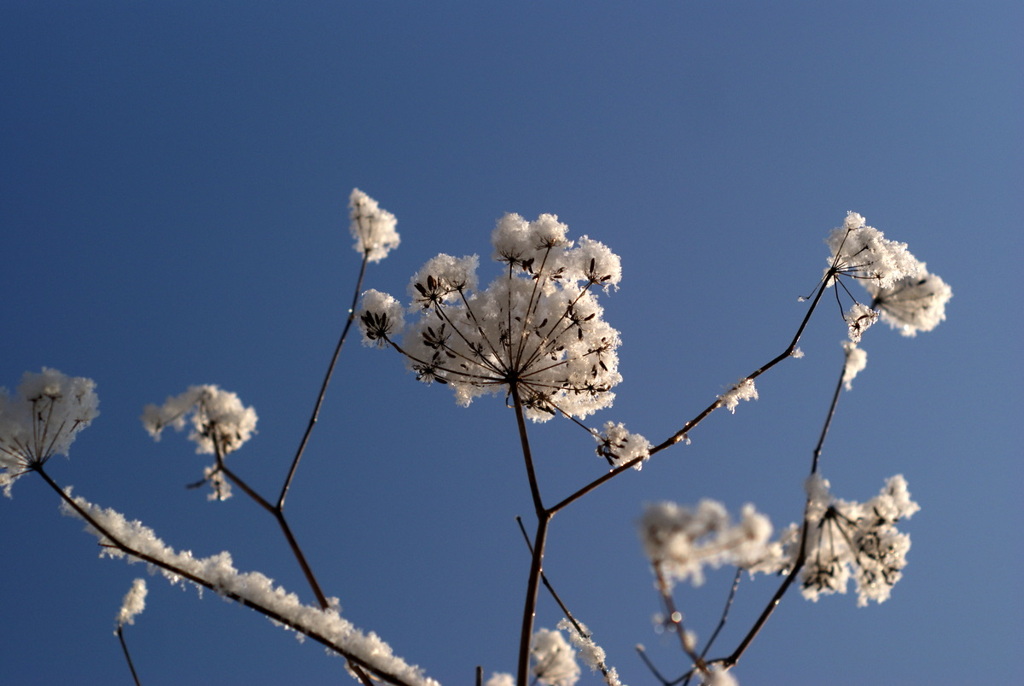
(230, 595)
(690, 425)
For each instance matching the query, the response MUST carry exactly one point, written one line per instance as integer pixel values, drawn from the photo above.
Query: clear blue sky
(173, 181)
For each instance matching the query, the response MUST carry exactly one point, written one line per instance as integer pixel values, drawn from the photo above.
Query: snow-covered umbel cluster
(845, 538)
(372, 227)
(41, 420)
(914, 303)
(554, 660)
(863, 252)
(220, 425)
(679, 541)
(907, 296)
(619, 446)
(536, 330)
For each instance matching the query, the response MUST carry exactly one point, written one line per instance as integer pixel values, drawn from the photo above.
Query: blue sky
(173, 182)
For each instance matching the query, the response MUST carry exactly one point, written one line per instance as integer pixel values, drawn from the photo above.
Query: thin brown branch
(683, 433)
(127, 655)
(323, 386)
(115, 542)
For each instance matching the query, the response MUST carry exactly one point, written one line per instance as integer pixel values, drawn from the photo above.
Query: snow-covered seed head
(41, 420)
(536, 331)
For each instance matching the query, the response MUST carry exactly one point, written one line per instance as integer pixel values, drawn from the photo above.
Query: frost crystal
(536, 330)
(845, 538)
(134, 603)
(593, 655)
(913, 304)
(856, 361)
(863, 252)
(744, 390)
(554, 660)
(372, 227)
(42, 420)
(618, 446)
(679, 541)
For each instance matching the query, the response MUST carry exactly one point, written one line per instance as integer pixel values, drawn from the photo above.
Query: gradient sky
(173, 188)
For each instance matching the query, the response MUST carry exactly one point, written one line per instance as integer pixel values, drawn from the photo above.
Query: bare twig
(127, 655)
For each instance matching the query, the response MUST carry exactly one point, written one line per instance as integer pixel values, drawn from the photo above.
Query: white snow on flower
(133, 604)
(914, 303)
(859, 539)
(252, 589)
(592, 654)
(856, 361)
(536, 330)
(859, 319)
(744, 390)
(380, 317)
(863, 252)
(41, 420)
(619, 446)
(554, 661)
(219, 420)
(372, 227)
(718, 677)
(679, 541)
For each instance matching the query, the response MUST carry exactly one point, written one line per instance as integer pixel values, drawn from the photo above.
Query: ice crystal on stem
(536, 330)
(679, 542)
(372, 227)
(856, 361)
(744, 390)
(845, 538)
(41, 420)
(914, 303)
(592, 654)
(133, 604)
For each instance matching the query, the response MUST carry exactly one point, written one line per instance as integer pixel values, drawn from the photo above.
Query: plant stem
(115, 542)
(323, 387)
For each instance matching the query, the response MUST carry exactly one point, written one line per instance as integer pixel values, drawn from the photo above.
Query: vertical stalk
(537, 558)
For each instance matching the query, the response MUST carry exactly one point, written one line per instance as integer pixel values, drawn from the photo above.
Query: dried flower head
(859, 539)
(536, 331)
(41, 420)
(914, 303)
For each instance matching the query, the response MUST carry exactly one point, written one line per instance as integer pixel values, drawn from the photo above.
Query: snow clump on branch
(372, 227)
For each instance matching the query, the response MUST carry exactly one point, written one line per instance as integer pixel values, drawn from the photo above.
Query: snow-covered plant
(861, 539)
(535, 333)
(221, 424)
(41, 420)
